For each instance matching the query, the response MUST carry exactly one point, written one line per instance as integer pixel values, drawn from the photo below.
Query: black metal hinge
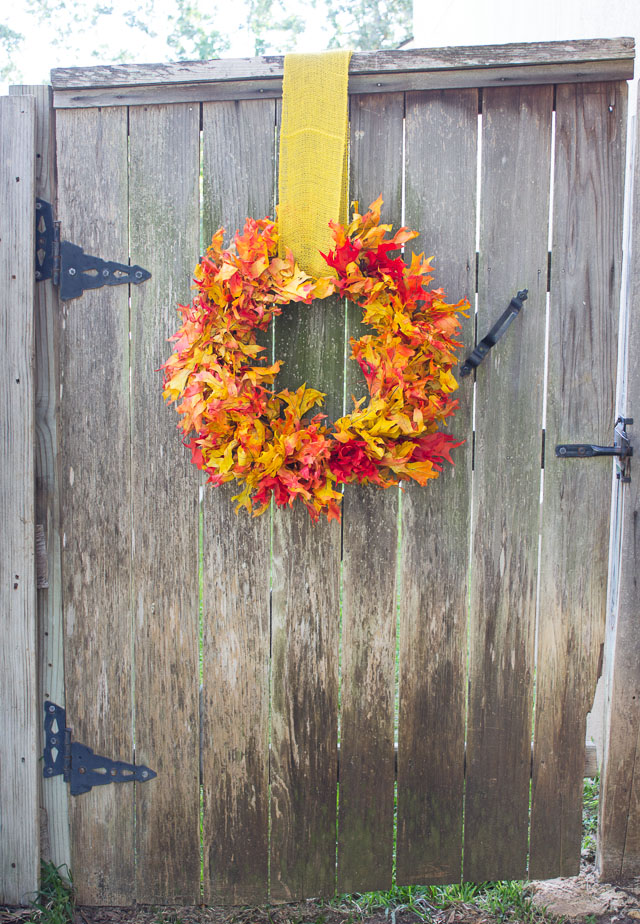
(77, 763)
(621, 449)
(69, 266)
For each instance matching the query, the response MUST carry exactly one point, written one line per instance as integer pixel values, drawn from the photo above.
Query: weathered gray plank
(513, 255)
(304, 671)
(618, 855)
(235, 751)
(386, 82)
(236, 633)
(591, 129)
(19, 808)
(164, 203)
(305, 635)
(372, 63)
(367, 764)
(243, 186)
(441, 166)
(96, 498)
(304, 706)
(54, 844)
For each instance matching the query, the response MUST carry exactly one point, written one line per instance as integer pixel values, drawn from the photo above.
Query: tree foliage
(78, 28)
(193, 34)
(203, 29)
(273, 27)
(195, 29)
(9, 45)
(365, 25)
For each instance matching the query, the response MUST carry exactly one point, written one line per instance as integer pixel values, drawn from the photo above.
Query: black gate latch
(69, 266)
(77, 763)
(621, 448)
(497, 331)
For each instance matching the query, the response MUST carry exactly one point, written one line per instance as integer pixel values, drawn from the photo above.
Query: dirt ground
(584, 899)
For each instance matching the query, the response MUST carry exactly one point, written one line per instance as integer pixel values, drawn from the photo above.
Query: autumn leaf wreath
(240, 428)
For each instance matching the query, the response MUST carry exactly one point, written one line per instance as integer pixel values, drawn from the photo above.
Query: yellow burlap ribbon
(312, 187)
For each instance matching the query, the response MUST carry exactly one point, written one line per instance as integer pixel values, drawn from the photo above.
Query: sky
(457, 22)
(38, 55)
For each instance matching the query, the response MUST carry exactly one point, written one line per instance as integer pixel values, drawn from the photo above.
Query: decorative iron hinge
(621, 449)
(77, 763)
(496, 332)
(69, 266)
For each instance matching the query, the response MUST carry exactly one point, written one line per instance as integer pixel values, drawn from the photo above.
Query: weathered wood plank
(620, 50)
(370, 536)
(591, 128)
(164, 205)
(242, 186)
(513, 255)
(95, 484)
(590, 765)
(618, 855)
(441, 168)
(236, 569)
(55, 820)
(54, 844)
(385, 82)
(305, 635)
(19, 804)
(304, 706)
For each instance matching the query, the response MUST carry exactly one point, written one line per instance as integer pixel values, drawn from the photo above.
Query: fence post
(19, 840)
(618, 855)
(54, 829)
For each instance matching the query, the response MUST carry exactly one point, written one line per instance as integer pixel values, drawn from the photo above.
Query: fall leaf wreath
(240, 428)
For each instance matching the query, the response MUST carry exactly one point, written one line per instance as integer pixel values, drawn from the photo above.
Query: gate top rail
(581, 61)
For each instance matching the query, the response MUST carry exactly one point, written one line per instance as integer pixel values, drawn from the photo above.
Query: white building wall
(495, 22)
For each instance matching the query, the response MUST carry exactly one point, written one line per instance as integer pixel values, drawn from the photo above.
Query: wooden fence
(412, 653)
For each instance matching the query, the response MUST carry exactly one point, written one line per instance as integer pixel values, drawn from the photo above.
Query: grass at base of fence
(500, 901)
(54, 902)
(590, 801)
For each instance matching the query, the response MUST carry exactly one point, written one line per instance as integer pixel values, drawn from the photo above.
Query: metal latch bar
(622, 449)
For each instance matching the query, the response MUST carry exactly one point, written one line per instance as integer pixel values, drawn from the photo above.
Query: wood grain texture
(618, 850)
(164, 203)
(385, 82)
(305, 574)
(19, 789)
(54, 844)
(304, 706)
(235, 750)
(96, 498)
(236, 632)
(373, 63)
(441, 168)
(618, 853)
(513, 255)
(239, 186)
(370, 537)
(591, 128)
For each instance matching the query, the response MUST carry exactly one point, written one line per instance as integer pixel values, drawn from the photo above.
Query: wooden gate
(321, 701)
